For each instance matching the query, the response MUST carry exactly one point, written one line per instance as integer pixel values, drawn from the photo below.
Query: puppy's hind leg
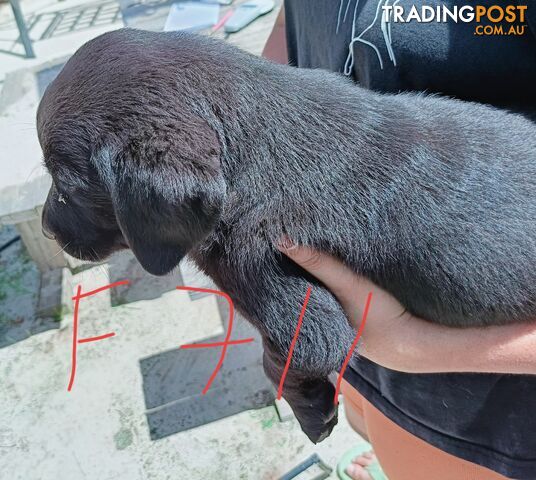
(311, 398)
(271, 297)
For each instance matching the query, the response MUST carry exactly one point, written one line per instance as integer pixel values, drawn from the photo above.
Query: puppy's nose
(48, 234)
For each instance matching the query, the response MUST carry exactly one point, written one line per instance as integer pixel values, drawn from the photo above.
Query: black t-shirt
(487, 419)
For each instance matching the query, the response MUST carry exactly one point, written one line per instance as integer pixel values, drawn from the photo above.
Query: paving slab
(101, 429)
(173, 383)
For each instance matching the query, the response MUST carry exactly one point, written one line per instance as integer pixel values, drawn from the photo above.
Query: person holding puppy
(435, 402)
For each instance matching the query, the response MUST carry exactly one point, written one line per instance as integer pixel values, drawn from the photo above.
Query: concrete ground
(59, 43)
(100, 430)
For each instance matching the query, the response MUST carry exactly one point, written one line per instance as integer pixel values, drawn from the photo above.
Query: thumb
(338, 278)
(350, 289)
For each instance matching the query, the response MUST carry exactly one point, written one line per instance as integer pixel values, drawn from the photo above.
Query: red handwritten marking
(94, 339)
(223, 344)
(352, 348)
(217, 344)
(75, 334)
(76, 299)
(226, 341)
(98, 290)
(223, 20)
(293, 343)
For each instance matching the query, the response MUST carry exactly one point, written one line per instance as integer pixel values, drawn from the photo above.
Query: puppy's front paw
(312, 403)
(311, 398)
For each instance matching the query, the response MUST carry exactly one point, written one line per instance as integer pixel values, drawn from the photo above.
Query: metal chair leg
(23, 30)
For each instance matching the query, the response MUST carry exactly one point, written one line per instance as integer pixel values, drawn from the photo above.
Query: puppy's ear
(167, 190)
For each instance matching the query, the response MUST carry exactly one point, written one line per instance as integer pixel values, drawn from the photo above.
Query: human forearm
(497, 349)
(276, 45)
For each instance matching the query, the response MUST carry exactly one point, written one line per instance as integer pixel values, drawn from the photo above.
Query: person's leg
(402, 455)
(353, 409)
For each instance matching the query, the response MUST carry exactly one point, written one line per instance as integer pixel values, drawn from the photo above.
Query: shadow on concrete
(47, 25)
(19, 292)
(143, 285)
(173, 382)
(13, 54)
(45, 77)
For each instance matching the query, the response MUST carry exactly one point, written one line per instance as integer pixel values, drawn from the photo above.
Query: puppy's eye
(62, 199)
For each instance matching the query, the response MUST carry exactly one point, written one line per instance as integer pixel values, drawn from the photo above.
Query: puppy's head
(133, 165)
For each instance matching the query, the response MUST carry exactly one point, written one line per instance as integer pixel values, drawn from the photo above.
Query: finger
(349, 288)
(336, 276)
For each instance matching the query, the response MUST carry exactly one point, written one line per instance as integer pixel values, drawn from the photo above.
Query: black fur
(172, 143)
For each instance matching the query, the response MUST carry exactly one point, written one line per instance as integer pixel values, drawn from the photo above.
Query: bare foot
(356, 470)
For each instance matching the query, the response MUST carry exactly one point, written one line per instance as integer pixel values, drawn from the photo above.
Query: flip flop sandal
(374, 470)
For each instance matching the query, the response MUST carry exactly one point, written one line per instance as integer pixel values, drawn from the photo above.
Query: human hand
(395, 339)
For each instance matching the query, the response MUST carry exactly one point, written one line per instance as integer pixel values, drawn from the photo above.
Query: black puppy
(173, 144)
